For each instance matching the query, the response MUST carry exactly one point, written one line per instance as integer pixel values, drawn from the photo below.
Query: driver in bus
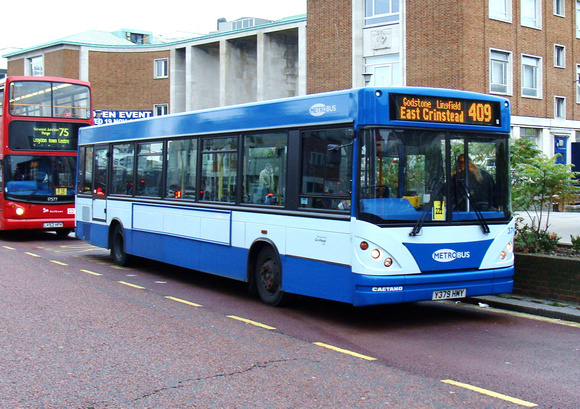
(479, 182)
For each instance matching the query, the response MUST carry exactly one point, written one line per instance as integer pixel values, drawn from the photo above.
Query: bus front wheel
(268, 278)
(120, 257)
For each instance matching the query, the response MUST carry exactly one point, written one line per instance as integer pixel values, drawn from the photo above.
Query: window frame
(538, 76)
(537, 20)
(559, 56)
(32, 66)
(559, 107)
(373, 18)
(577, 18)
(560, 8)
(163, 107)
(577, 81)
(508, 72)
(161, 68)
(500, 15)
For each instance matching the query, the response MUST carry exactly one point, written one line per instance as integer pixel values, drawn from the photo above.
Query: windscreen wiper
(419, 225)
(480, 218)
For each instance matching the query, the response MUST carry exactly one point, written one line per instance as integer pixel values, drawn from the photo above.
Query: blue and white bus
(359, 196)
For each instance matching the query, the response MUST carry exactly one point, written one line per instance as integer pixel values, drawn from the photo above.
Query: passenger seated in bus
(479, 183)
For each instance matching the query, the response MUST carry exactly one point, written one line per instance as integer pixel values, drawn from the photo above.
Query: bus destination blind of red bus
(421, 108)
(45, 136)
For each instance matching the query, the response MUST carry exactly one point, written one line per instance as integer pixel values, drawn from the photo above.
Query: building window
(559, 9)
(577, 18)
(531, 134)
(560, 107)
(381, 11)
(531, 13)
(161, 68)
(160, 109)
(578, 84)
(559, 56)
(500, 72)
(36, 66)
(500, 10)
(531, 76)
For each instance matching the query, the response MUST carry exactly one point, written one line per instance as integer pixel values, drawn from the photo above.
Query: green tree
(537, 183)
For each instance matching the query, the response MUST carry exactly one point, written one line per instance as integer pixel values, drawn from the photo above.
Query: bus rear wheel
(268, 278)
(120, 257)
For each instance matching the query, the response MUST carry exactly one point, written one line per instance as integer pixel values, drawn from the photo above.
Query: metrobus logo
(447, 255)
(321, 109)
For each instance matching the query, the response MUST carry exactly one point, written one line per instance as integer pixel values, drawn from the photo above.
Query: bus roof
(361, 106)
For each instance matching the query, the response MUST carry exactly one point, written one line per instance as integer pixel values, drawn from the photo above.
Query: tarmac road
(72, 338)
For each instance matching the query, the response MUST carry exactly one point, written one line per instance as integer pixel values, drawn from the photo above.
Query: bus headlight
(509, 248)
(19, 211)
(377, 254)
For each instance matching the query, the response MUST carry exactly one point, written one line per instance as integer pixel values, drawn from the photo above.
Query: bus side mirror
(333, 154)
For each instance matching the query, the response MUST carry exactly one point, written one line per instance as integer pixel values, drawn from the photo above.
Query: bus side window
(181, 169)
(149, 169)
(219, 169)
(325, 184)
(122, 177)
(101, 159)
(264, 179)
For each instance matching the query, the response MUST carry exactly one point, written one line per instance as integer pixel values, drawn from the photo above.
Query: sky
(41, 21)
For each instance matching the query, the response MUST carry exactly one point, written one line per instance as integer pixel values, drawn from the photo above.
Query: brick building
(129, 71)
(525, 50)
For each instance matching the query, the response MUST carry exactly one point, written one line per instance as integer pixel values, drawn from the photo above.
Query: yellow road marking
(59, 263)
(91, 272)
(345, 351)
(9, 248)
(131, 285)
(247, 321)
(490, 393)
(183, 301)
(32, 254)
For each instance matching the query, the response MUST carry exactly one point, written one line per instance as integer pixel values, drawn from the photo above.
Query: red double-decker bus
(39, 126)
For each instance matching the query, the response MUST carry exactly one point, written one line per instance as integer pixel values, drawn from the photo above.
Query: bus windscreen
(49, 99)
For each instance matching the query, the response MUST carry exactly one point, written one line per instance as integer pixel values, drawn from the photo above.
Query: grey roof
(91, 37)
(108, 39)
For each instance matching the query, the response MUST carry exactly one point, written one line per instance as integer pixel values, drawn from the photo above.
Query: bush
(533, 240)
(538, 182)
(575, 242)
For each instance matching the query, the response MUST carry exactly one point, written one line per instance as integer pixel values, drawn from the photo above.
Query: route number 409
(480, 112)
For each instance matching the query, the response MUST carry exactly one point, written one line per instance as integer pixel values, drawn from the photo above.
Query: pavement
(564, 224)
(564, 311)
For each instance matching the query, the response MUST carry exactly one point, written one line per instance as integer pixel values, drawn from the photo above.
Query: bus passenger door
(100, 169)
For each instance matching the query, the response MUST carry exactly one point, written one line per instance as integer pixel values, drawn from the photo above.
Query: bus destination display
(421, 108)
(46, 136)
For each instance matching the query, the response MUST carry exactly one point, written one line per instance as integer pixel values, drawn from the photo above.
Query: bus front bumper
(374, 290)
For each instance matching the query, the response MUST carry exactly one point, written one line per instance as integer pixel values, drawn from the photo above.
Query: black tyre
(120, 257)
(268, 278)
(63, 232)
